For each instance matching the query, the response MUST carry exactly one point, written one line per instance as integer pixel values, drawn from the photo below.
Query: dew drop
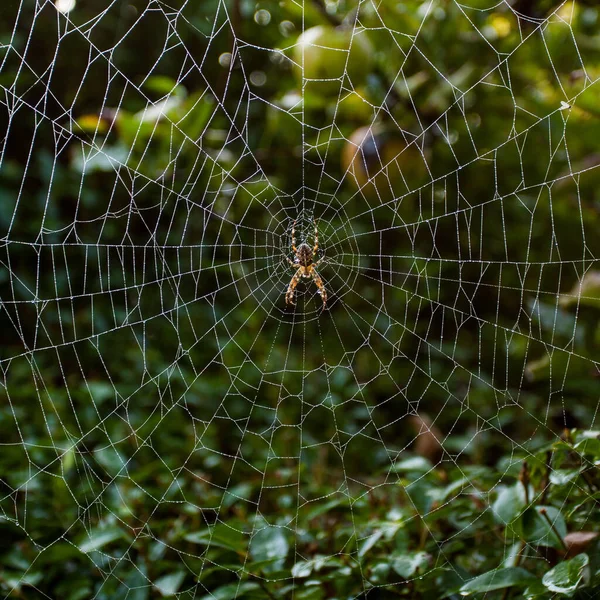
(64, 6)
(225, 59)
(262, 17)
(258, 78)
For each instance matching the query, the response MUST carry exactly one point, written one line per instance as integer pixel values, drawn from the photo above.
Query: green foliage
(566, 577)
(498, 579)
(153, 443)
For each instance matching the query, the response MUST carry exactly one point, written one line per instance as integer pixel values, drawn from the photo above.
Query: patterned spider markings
(305, 267)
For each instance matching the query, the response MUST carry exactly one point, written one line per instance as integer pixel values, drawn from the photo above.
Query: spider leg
(319, 283)
(294, 237)
(316, 239)
(289, 295)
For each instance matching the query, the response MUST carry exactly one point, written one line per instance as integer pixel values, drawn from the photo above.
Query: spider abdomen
(304, 254)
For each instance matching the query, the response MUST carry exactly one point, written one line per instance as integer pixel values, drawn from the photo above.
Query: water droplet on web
(262, 17)
(65, 6)
(258, 78)
(286, 28)
(225, 59)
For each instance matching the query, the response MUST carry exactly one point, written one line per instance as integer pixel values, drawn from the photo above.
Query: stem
(524, 479)
(544, 514)
(546, 480)
(423, 535)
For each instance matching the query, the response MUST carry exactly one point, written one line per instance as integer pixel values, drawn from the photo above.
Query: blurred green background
(170, 427)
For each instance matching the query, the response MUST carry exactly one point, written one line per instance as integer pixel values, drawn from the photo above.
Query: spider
(304, 265)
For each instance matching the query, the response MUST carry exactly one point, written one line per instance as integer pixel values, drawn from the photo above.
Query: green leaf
(585, 292)
(451, 579)
(99, 538)
(302, 569)
(68, 460)
(243, 491)
(419, 493)
(58, 553)
(232, 590)
(415, 463)
(168, 585)
(587, 434)
(101, 391)
(311, 592)
(79, 590)
(567, 576)
(509, 503)
(407, 565)
(379, 572)
(535, 589)
(498, 579)
(269, 544)
(109, 159)
(511, 555)
(339, 503)
(558, 365)
(563, 476)
(161, 84)
(370, 542)
(219, 536)
(589, 446)
(134, 585)
(536, 529)
(17, 581)
(160, 110)
(305, 567)
(112, 461)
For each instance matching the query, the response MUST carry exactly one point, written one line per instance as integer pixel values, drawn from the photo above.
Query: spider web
(151, 368)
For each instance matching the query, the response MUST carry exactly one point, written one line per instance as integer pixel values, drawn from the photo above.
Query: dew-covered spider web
(169, 424)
